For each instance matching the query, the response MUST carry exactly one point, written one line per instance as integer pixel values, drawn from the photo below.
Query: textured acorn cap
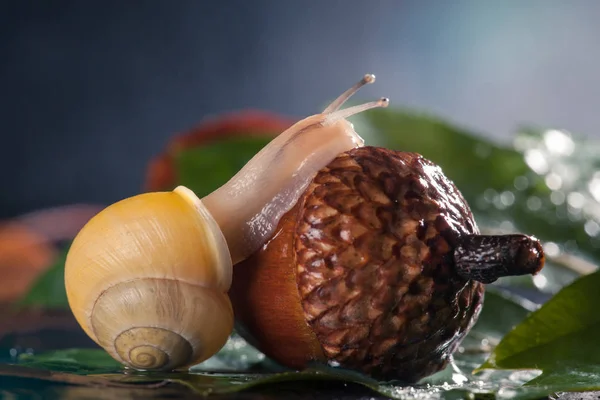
(370, 246)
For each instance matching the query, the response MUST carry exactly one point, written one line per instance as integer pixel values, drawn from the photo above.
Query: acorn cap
(373, 248)
(360, 273)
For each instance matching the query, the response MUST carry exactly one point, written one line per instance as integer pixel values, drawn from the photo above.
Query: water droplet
(557, 198)
(561, 213)
(521, 182)
(575, 214)
(536, 161)
(498, 203)
(489, 195)
(594, 186)
(523, 376)
(559, 142)
(576, 200)
(551, 249)
(507, 198)
(592, 228)
(13, 353)
(506, 226)
(571, 246)
(540, 281)
(506, 393)
(534, 203)
(459, 379)
(553, 181)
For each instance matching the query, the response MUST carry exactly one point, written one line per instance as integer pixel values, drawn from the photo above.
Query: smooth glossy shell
(362, 268)
(147, 279)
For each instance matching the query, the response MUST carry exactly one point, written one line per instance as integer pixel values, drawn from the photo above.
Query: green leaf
(206, 168)
(75, 361)
(560, 339)
(48, 291)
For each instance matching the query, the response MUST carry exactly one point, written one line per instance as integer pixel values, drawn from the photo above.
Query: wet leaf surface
(561, 339)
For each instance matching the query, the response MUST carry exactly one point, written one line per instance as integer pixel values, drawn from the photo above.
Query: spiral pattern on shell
(164, 348)
(147, 357)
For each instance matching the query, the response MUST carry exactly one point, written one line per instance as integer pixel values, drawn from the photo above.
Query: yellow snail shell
(153, 269)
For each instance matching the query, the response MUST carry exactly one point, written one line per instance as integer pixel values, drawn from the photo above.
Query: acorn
(379, 268)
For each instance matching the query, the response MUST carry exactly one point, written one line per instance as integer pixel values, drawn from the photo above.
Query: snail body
(147, 278)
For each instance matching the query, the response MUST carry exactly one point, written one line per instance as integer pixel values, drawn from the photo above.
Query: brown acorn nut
(378, 268)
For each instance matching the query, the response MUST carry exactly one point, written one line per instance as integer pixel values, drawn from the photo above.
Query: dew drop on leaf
(594, 186)
(540, 281)
(576, 200)
(534, 203)
(507, 198)
(571, 246)
(506, 226)
(521, 182)
(523, 376)
(536, 161)
(551, 249)
(553, 181)
(559, 142)
(489, 195)
(557, 198)
(592, 228)
(506, 393)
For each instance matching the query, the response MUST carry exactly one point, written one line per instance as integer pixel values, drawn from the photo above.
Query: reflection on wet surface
(25, 389)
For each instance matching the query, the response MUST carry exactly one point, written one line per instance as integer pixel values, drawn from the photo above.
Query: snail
(379, 268)
(147, 278)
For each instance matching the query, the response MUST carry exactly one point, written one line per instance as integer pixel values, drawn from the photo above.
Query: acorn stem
(485, 258)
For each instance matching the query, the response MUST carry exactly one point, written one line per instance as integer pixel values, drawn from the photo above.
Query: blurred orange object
(28, 244)
(161, 174)
(23, 255)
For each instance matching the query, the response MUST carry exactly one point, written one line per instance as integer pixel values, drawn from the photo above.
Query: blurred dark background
(90, 91)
